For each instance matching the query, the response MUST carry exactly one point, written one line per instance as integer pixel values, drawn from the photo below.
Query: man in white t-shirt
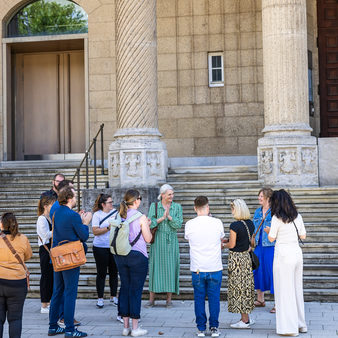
(204, 234)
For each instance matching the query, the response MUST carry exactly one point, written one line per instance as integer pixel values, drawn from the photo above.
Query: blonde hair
(267, 192)
(164, 188)
(240, 209)
(129, 198)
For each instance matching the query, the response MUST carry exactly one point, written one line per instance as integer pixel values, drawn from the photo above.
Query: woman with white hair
(241, 292)
(164, 256)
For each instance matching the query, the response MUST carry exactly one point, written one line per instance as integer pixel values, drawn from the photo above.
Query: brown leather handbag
(67, 256)
(153, 230)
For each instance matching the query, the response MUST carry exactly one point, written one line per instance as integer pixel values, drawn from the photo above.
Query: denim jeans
(207, 284)
(133, 270)
(64, 291)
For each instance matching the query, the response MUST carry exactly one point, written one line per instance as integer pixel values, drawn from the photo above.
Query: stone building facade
(269, 52)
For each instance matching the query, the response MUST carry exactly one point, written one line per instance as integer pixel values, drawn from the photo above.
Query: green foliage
(42, 17)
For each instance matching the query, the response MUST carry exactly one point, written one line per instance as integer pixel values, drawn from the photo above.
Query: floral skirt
(241, 290)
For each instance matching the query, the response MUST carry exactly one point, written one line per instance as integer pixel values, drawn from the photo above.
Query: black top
(242, 239)
(50, 192)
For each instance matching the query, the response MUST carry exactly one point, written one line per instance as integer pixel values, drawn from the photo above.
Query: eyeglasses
(58, 181)
(139, 198)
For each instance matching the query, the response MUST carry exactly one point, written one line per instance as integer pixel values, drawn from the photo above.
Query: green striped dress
(164, 255)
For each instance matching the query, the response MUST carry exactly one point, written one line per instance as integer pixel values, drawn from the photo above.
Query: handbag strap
(44, 245)
(247, 229)
(299, 239)
(156, 206)
(111, 214)
(16, 255)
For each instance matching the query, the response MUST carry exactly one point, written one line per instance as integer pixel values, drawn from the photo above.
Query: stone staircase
(20, 189)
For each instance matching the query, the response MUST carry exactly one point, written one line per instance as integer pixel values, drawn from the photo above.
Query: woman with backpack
(133, 267)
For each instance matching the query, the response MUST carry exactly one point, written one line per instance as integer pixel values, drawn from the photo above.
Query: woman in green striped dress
(164, 256)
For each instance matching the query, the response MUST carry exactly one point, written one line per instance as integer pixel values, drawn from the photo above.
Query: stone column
(287, 154)
(137, 157)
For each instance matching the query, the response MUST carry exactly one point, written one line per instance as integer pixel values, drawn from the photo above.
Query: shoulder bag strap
(111, 214)
(16, 255)
(247, 229)
(297, 233)
(261, 223)
(132, 219)
(156, 206)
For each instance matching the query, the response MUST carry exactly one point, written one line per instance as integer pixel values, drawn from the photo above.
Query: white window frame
(210, 69)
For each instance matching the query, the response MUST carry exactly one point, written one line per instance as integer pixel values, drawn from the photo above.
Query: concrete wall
(328, 160)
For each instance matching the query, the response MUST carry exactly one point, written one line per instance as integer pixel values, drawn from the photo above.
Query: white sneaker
(200, 333)
(114, 300)
(214, 332)
(44, 309)
(100, 303)
(240, 325)
(119, 319)
(126, 331)
(303, 329)
(138, 332)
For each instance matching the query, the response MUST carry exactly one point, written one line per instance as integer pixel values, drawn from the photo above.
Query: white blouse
(42, 229)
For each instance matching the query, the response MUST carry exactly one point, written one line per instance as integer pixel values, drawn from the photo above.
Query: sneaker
(138, 332)
(44, 309)
(240, 325)
(114, 300)
(214, 332)
(303, 329)
(61, 322)
(126, 331)
(150, 304)
(100, 303)
(119, 319)
(76, 333)
(54, 332)
(200, 333)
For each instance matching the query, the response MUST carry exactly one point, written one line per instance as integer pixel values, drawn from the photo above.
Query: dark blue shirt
(68, 226)
(55, 206)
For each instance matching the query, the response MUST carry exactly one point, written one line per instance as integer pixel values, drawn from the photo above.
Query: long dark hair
(9, 223)
(129, 198)
(282, 206)
(44, 201)
(102, 198)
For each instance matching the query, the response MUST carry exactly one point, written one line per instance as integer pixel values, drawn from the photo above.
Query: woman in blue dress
(264, 248)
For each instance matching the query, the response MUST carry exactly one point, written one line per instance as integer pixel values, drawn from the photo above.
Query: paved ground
(179, 321)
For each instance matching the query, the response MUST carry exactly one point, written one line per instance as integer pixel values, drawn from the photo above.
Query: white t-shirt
(42, 229)
(204, 234)
(285, 233)
(101, 241)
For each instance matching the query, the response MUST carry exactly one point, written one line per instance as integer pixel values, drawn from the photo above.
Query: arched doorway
(328, 66)
(46, 96)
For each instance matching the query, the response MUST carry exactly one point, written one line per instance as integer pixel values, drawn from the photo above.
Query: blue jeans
(133, 270)
(64, 291)
(207, 284)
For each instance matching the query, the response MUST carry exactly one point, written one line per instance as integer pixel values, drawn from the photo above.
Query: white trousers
(288, 285)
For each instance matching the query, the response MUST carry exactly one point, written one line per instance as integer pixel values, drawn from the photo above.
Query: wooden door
(328, 66)
(50, 107)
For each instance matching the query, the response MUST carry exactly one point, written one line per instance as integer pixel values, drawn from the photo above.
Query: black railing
(86, 159)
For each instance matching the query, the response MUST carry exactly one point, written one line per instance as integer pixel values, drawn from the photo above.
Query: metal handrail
(86, 158)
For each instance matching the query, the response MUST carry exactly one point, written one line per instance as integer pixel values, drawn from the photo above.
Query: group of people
(276, 228)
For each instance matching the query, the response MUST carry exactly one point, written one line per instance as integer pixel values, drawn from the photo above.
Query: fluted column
(287, 154)
(137, 157)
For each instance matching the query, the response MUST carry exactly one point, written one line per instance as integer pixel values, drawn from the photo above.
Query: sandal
(258, 303)
(273, 310)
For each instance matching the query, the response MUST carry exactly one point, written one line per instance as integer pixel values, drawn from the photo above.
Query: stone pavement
(179, 321)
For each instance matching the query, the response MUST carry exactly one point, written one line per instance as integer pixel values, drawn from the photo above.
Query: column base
(137, 161)
(288, 161)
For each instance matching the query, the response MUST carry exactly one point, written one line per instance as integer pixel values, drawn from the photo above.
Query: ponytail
(102, 198)
(44, 201)
(129, 198)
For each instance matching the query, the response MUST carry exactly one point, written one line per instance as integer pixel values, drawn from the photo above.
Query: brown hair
(44, 201)
(64, 183)
(66, 194)
(9, 223)
(102, 198)
(129, 198)
(267, 192)
(201, 202)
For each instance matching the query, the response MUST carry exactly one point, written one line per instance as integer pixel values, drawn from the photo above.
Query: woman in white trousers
(287, 228)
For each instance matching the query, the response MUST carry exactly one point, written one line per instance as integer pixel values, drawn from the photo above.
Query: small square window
(215, 64)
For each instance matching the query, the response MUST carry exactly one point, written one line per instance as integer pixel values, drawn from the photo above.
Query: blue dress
(263, 276)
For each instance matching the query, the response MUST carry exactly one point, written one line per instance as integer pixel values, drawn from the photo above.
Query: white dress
(288, 275)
